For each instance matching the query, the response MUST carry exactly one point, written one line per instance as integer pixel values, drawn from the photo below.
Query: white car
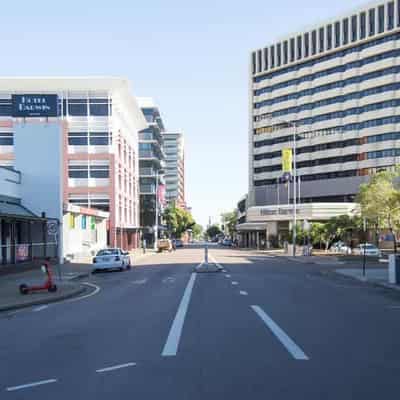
(108, 259)
(370, 250)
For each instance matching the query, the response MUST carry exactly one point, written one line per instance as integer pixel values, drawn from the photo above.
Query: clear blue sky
(192, 57)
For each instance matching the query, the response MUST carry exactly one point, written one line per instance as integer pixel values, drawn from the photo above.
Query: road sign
(52, 228)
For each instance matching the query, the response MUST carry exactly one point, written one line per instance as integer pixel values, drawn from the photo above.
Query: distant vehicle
(340, 247)
(370, 250)
(227, 242)
(164, 244)
(214, 240)
(178, 243)
(109, 259)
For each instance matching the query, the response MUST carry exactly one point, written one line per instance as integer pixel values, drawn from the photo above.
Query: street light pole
(294, 190)
(156, 212)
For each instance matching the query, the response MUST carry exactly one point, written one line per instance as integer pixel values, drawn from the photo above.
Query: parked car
(109, 259)
(227, 242)
(178, 243)
(369, 249)
(340, 247)
(164, 244)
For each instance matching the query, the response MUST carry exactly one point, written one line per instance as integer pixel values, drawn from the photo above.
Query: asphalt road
(267, 328)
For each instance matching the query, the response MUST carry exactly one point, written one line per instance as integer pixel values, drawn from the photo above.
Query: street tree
(380, 202)
(229, 220)
(197, 231)
(213, 231)
(178, 220)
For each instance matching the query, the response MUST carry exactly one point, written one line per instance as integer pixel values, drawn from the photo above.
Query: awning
(251, 226)
(16, 210)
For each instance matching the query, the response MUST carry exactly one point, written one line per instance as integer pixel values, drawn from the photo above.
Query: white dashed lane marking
(235, 283)
(29, 385)
(114, 367)
(243, 293)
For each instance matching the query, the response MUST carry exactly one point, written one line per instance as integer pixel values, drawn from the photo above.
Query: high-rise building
(333, 88)
(89, 128)
(174, 168)
(151, 164)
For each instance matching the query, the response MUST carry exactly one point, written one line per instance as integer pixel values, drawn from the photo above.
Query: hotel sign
(35, 105)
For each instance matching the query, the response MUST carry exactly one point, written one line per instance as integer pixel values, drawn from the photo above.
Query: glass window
(99, 171)
(6, 139)
(329, 37)
(398, 13)
(363, 25)
(306, 44)
(390, 15)
(354, 28)
(337, 34)
(321, 40)
(265, 58)
(278, 55)
(371, 25)
(98, 107)
(99, 138)
(285, 52)
(292, 50)
(78, 171)
(272, 50)
(77, 138)
(77, 108)
(299, 47)
(345, 25)
(259, 60)
(5, 108)
(253, 62)
(381, 19)
(313, 42)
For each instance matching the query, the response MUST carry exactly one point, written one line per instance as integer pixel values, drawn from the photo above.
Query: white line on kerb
(28, 385)
(40, 308)
(114, 367)
(290, 345)
(172, 343)
(95, 291)
(243, 293)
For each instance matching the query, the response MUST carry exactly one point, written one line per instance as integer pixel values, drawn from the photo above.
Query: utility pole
(156, 212)
(294, 190)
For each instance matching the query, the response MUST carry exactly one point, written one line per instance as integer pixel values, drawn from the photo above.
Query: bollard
(206, 254)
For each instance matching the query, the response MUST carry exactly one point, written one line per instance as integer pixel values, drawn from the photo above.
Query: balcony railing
(151, 189)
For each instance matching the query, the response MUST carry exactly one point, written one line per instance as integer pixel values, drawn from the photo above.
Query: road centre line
(114, 367)
(172, 343)
(287, 342)
(28, 385)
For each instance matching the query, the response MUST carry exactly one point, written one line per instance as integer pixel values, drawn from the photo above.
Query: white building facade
(174, 148)
(79, 148)
(336, 88)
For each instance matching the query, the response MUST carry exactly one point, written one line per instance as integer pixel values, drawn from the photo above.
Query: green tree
(213, 231)
(197, 231)
(178, 220)
(229, 220)
(380, 202)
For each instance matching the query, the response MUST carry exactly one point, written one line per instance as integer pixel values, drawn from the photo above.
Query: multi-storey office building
(335, 86)
(174, 147)
(87, 128)
(151, 173)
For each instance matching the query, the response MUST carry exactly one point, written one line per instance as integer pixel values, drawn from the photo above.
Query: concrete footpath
(67, 277)
(376, 276)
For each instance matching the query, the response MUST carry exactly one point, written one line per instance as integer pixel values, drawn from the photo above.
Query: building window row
(313, 177)
(312, 163)
(343, 113)
(327, 57)
(6, 139)
(91, 171)
(357, 95)
(91, 138)
(329, 71)
(328, 86)
(383, 153)
(356, 126)
(100, 202)
(313, 148)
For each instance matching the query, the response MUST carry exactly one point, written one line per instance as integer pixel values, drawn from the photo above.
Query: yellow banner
(287, 160)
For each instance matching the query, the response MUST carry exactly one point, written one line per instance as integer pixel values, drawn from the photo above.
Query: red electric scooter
(48, 284)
